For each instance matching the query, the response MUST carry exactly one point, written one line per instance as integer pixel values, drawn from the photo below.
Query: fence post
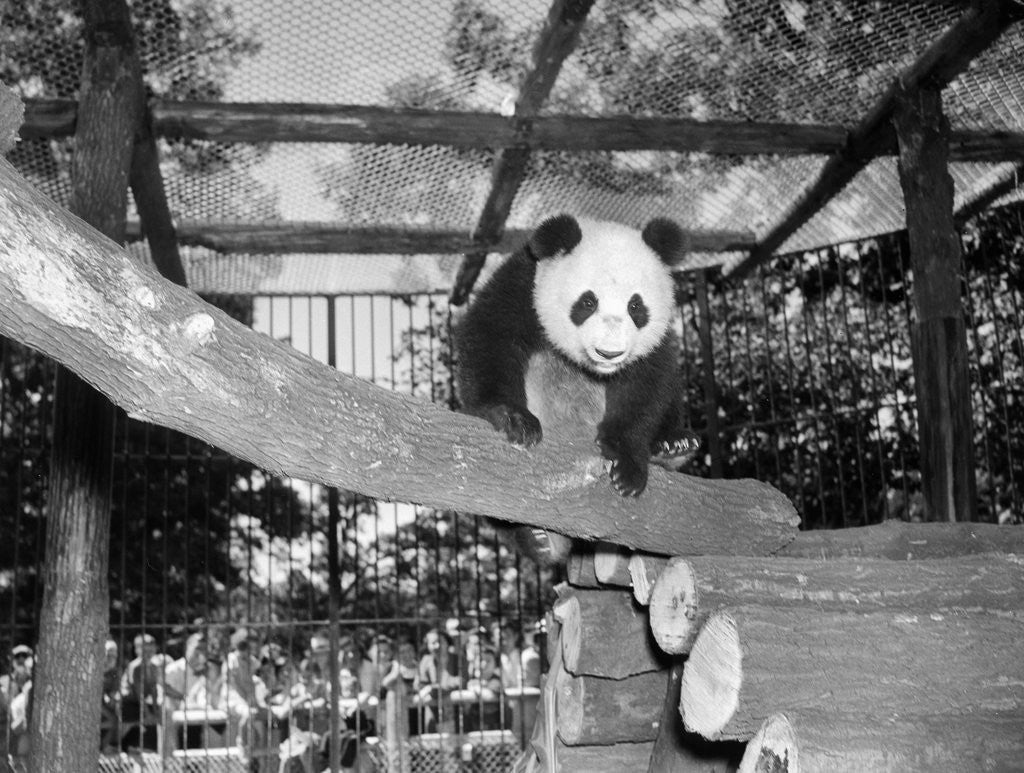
(707, 356)
(938, 333)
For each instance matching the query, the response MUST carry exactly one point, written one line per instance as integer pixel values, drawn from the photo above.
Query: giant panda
(572, 337)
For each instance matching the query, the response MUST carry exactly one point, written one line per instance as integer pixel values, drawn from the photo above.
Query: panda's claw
(628, 479)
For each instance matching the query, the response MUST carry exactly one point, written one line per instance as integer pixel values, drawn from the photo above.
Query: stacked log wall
(891, 647)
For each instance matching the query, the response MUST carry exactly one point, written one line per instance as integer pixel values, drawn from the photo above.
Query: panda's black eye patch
(638, 311)
(584, 306)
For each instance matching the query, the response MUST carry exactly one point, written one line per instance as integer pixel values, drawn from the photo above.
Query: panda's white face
(608, 301)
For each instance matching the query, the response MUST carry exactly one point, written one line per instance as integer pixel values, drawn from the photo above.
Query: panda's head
(603, 291)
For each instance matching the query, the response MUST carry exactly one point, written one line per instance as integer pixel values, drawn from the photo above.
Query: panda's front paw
(628, 475)
(519, 425)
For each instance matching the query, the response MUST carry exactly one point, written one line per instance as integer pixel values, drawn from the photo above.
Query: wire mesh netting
(748, 61)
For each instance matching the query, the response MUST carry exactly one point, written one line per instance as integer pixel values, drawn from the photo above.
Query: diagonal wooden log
(557, 40)
(943, 60)
(167, 357)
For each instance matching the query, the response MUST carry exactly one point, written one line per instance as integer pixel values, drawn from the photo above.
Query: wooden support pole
(938, 334)
(605, 633)
(592, 710)
(690, 590)
(749, 662)
(556, 41)
(73, 620)
(147, 186)
(947, 56)
(677, 751)
(319, 122)
(813, 740)
(712, 432)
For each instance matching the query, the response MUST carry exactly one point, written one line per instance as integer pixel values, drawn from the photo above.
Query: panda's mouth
(605, 361)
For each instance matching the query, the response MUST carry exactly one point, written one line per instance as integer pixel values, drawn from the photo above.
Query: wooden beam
(294, 122)
(941, 62)
(1013, 180)
(147, 186)
(557, 40)
(938, 332)
(317, 238)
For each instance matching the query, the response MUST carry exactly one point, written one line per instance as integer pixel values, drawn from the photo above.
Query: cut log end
(643, 571)
(611, 564)
(773, 749)
(712, 677)
(673, 608)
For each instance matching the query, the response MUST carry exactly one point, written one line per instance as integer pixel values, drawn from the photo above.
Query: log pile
(891, 647)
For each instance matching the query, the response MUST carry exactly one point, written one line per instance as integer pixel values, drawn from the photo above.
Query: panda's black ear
(554, 236)
(665, 238)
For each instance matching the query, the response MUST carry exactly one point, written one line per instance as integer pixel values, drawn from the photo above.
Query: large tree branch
(167, 357)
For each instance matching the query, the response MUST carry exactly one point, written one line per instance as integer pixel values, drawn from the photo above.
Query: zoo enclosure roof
(391, 146)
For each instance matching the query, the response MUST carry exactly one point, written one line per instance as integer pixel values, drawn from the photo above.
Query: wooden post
(938, 335)
(73, 621)
(707, 356)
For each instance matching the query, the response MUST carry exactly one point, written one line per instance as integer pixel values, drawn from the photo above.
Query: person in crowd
(110, 713)
(18, 743)
(530, 657)
(179, 678)
(242, 675)
(216, 692)
(20, 674)
(242, 665)
(377, 665)
(16, 697)
(401, 691)
(438, 676)
(140, 699)
(481, 697)
(510, 645)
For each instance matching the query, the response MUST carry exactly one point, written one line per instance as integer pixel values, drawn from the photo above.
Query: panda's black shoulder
(511, 285)
(504, 303)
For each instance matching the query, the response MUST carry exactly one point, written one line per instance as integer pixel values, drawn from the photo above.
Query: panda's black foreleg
(629, 452)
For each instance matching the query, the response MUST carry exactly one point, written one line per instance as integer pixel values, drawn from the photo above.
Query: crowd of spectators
(261, 694)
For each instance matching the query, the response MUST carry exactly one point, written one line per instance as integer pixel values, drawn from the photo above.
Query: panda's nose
(609, 355)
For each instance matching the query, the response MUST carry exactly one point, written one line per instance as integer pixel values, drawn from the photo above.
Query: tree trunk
(73, 620)
(691, 589)
(938, 334)
(750, 662)
(165, 356)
